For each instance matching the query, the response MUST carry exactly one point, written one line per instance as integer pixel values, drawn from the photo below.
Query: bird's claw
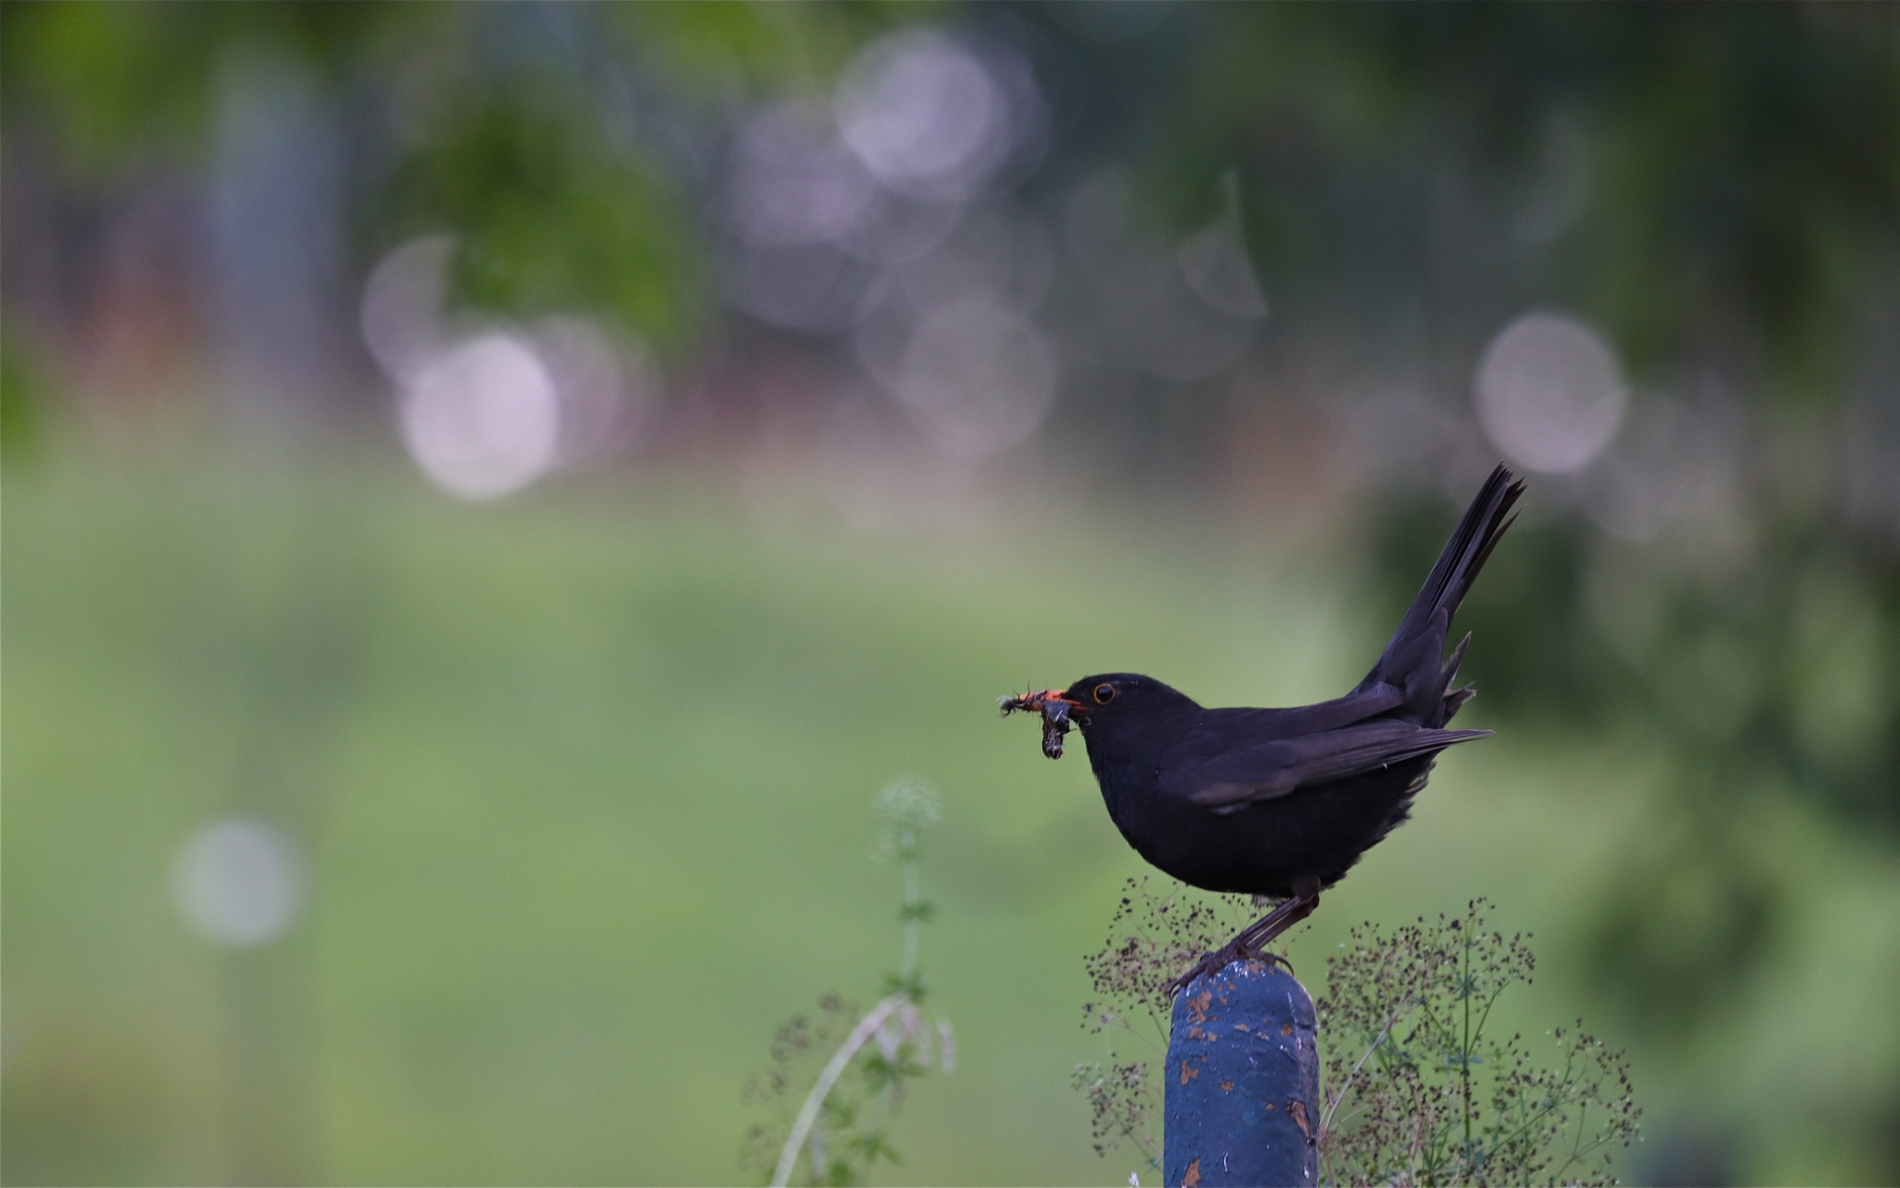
(1268, 956)
(1220, 959)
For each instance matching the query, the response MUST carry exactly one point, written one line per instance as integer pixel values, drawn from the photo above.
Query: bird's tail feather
(1467, 550)
(1450, 671)
(1420, 635)
(1455, 698)
(1450, 579)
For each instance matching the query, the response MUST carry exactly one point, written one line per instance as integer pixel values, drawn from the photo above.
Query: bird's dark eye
(1104, 693)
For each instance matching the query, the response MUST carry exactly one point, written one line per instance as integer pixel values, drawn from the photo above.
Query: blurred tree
(518, 127)
(1734, 217)
(1717, 187)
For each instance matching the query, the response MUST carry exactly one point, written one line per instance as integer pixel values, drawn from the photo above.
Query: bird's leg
(1246, 944)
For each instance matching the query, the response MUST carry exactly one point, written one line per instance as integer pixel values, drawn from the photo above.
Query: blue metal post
(1242, 1082)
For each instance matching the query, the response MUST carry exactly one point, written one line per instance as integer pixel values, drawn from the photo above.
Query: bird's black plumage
(1282, 802)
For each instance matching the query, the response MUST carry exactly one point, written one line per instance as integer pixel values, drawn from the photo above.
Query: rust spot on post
(1226, 1086)
(1192, 1177)
(1188, 1074)
(1197, 1006)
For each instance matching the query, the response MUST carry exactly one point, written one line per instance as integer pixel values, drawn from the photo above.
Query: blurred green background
(492, 491)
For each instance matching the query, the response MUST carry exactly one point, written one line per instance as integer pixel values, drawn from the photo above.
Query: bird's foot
(1268, 956)
(1220, 959)
(1208, 963)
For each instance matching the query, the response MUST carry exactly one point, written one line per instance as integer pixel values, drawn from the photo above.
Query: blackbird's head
(1114, 696)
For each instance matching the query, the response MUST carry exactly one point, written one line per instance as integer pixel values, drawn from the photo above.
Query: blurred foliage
(116, 85)
(554, 140)
(714, 52)
(581, 778)
(1743, 164)
(1719, 186)
(498, 123)
(23, 397)
(552, 214)
(1738, 214)
(1763, 682)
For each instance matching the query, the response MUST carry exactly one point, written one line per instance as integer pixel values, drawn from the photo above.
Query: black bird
(1281, 802)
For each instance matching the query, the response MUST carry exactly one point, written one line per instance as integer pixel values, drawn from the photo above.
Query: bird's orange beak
(1036, 701)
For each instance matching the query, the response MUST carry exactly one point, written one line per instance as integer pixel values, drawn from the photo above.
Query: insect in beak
(1055, 710)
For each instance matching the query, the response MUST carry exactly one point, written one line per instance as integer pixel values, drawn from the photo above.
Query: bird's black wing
(1217, 729)
(1230, 780)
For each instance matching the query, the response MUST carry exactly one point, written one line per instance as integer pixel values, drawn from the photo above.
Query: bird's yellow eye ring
(1104, 693)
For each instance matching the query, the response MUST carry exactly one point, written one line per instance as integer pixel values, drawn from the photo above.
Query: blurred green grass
(586, 781)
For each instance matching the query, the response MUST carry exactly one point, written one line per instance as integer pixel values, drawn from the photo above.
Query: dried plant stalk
(1417, 1089)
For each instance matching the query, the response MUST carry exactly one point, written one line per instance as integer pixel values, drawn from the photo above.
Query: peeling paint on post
(1242, 1082)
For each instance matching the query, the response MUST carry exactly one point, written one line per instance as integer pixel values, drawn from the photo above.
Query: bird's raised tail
(1413, 660)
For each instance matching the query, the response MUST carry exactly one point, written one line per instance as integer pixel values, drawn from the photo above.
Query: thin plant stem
(1464, 1054)
(1326, 1122)
(815, 1100)
(913, 897)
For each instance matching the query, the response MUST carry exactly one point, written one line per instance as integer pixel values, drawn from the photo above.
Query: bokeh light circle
(239, 882)
(482, 418)
(793, 181)
(977, 378)
(925, 115)
(401, 313)
(1550, 392)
